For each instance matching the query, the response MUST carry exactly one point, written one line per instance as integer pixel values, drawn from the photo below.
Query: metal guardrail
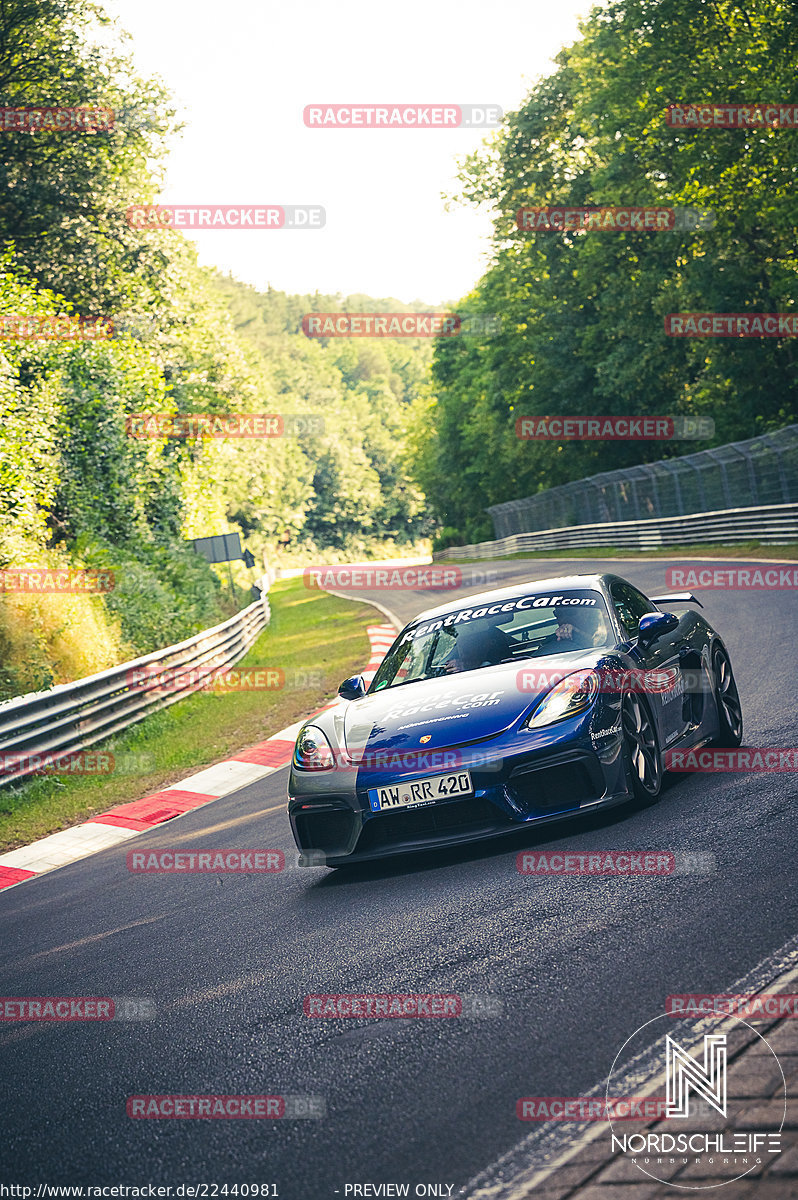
(762, 471)
(73, 716)
(772, 523)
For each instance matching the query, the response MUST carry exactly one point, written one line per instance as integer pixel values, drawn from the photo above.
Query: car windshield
(505, 631)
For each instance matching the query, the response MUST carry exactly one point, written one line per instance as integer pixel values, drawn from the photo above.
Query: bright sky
(242, 73)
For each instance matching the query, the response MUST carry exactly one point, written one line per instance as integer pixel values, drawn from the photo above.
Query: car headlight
(312, 751)
(572, 695)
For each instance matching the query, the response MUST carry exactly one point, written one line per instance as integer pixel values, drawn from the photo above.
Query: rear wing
(677, 598)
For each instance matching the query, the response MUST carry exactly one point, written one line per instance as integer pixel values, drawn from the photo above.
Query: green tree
(583, 313)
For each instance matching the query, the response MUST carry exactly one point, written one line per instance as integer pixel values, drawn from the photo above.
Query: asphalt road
(578, 963)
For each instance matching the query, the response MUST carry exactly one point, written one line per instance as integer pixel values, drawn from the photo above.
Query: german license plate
(420, 791)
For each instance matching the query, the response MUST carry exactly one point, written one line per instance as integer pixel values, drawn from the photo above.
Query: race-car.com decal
(476, 700)
(472, 614)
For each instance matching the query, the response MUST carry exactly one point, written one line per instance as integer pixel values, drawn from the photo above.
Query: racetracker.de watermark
(155, 679)
(57, 581)
(734, 579)
(625, 219)
(762, 1006)
(223, 425)
(732, 116)
(226, 216)
(405, 760)
(377, 578)
(165, 860)
(76, 1008)
(45, 327)
(589, 1108)
(737, 325)
(612, 429)
(402, 116)
(684, 862)
(220, 1107)
(402, 1005)
(51, 119)
(596, 862)
(352, 324)
(657, 682)
(79, 762)
(749, 758)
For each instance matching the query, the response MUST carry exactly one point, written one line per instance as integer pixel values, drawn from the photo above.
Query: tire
(727, 702)
(642, 751)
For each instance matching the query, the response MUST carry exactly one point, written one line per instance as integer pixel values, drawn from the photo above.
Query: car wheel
(642, 748)
(727, 702)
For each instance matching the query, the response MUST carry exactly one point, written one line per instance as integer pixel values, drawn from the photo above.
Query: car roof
(530, 587)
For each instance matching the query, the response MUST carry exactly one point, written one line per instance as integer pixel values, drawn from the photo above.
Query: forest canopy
(410, 438)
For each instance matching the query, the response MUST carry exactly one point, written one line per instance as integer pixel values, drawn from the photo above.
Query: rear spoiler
(677, 598)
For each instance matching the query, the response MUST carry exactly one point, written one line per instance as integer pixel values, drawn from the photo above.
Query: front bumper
(333, 824)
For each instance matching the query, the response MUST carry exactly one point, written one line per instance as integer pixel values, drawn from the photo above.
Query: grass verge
(699, 550)
(314, 638)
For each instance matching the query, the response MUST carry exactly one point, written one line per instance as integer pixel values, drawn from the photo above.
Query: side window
(630, 605)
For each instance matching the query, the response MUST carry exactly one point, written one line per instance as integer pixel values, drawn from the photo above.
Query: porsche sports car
(517, 706)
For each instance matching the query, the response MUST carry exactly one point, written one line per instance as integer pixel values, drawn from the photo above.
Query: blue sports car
(516, 706)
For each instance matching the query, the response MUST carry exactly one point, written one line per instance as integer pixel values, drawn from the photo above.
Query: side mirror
(655, 625)
(353, 689)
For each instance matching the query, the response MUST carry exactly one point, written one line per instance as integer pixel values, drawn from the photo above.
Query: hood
(455, 709)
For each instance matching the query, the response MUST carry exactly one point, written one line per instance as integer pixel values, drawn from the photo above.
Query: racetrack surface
(579, 963)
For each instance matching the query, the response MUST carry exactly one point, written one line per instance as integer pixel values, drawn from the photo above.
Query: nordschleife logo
(699, 1069)
(684, 1073)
